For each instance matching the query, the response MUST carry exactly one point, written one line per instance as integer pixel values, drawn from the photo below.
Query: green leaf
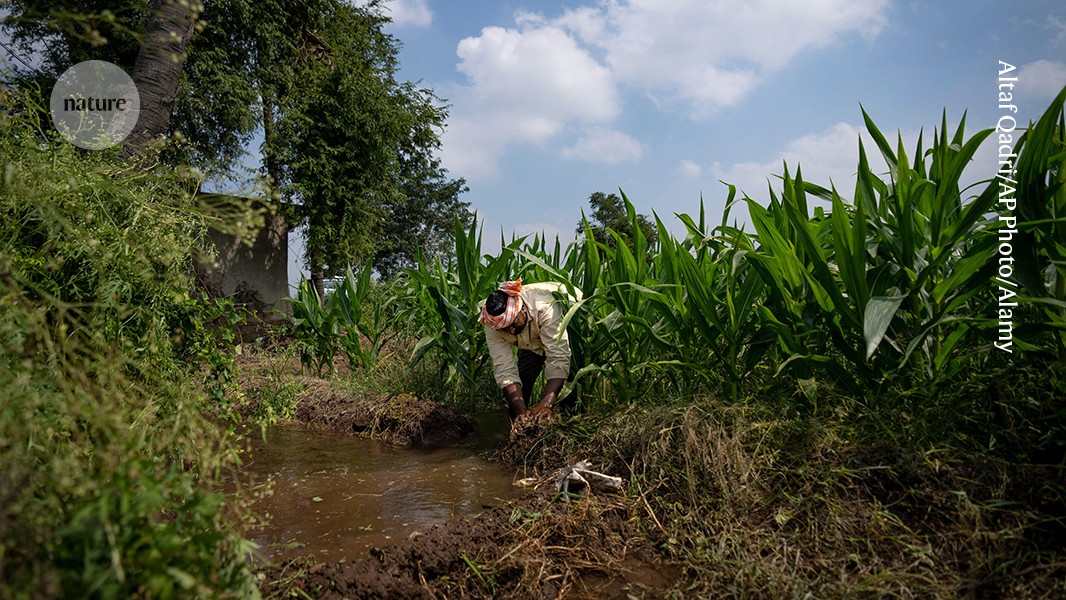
(878, 316)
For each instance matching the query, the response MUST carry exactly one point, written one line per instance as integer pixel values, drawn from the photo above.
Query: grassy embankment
(111, 377)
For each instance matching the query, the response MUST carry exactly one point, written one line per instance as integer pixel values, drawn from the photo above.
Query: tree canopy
(609, 213)
(346, 144)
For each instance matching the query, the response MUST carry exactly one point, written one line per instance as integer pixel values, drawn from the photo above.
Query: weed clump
(111, 485)
(756, 503)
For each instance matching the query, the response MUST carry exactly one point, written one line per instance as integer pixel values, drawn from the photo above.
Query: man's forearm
(516, 405)
(552, 387)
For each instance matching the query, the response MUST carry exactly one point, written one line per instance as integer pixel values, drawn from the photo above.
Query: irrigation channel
(337, 495)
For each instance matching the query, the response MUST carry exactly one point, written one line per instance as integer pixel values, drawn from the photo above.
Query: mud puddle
(336, 495)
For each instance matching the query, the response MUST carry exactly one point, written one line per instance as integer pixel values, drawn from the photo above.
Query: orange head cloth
(513, 289)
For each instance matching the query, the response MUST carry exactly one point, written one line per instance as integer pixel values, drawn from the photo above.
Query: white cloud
(1040, 81)
(1059, 27)
(690, 169)
(605, 145)
(710, 54)
(523, 87)
(525, 84)
(413, 13)
(538, 71)
(829, 155)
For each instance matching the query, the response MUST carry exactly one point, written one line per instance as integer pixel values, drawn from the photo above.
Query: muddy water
(337, 495)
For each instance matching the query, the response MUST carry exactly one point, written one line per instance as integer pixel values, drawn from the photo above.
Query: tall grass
(112, 462)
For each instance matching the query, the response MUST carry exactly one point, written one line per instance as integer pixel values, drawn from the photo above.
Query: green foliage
(611, 214)
(112, 462)
(316, 328)
(275, 401)
(881, 295)
(204, 334)
(1039, 250)
(353, 147)
(445, 304)
(419, 222)
(356, 317)
(889, 284)
(216, 102)
(367, 318)
(349, 145)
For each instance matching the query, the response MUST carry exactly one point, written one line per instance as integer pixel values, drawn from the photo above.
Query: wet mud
(336, 495)
(536, 547)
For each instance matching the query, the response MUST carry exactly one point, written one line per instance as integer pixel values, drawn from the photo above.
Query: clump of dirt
(395, 418)
(533, 445)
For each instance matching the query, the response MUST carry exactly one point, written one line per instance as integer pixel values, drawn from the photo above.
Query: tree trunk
(270, 161)
(157, 71)
(318, 279)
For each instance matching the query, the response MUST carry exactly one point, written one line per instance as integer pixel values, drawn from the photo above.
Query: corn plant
(1039, 250)
(445, 303)
(366, 321)
(709, 295)
(893, 276)
(889, 287)
(316, 328)
(628, 332)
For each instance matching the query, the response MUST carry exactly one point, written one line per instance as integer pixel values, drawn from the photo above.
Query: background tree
(214, 103)
(157, 69)
(423, 220)
(354, 149)
(609, 212)
(345, 143)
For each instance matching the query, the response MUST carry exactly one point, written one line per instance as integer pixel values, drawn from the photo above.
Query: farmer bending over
(530, 318)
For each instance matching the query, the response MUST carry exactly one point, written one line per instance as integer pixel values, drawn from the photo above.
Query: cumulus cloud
(829, 155)
(538, 71)
(525, 84)
(523, 87)
(1040, 81)
(711, 53)
(413, 13)
(605, 145)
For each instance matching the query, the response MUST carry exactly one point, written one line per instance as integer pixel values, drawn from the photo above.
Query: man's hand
(540, 412)
(543, 410)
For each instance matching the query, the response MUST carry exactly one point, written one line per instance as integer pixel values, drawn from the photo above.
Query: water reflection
(336, 495)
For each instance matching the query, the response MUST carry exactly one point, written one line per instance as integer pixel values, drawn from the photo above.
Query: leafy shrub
(111, 479)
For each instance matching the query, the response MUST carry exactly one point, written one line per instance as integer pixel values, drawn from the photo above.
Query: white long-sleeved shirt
(543, 334)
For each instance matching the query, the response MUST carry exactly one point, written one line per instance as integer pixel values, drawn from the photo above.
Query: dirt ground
(543, 545)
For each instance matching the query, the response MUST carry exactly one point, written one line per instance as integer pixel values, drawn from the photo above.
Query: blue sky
(551, 101)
